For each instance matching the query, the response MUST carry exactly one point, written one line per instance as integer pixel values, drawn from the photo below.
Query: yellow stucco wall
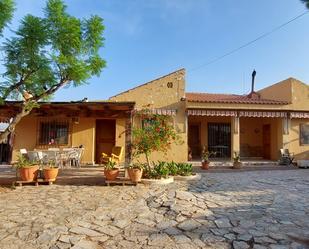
(281, 91)
(81, 133)
(157, 94)
(291, 90)
(292, 142)
(251, 134)
(25, 136)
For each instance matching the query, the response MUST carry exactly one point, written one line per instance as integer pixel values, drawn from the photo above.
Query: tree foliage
(6, 13)
(47, 53)
(306, 2)
(156, 134)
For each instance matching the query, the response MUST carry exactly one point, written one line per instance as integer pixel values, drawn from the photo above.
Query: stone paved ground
(260, 209)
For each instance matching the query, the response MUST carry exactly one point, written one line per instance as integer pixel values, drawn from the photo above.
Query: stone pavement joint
(240, 210)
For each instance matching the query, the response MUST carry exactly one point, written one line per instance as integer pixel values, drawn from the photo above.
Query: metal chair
(77, 159)
(286, 157)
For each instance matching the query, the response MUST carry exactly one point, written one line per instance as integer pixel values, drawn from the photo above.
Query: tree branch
(50, 91)
(15, 121)
(17, 85)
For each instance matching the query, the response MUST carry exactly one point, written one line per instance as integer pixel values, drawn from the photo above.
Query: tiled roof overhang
(235, 113)
(230, 99)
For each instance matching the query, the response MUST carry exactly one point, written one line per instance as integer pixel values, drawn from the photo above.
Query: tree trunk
(12, 125)
(148, 162)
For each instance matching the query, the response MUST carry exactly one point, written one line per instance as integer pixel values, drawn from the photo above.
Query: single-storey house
(256, 125)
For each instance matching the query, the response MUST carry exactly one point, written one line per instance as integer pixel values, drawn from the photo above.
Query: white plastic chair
(52, 155)
(23, 151)
(33, 156)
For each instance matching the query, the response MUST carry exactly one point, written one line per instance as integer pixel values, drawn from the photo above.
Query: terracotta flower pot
(111, 174)
(29, 174)
(50, 174)
(135, 174)
(205, 165)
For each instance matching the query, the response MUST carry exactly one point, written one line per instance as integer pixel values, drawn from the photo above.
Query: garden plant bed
(161, 181)
(193, 177)
(120, 181)
(37, 182)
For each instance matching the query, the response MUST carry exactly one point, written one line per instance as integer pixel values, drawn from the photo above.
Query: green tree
(47, 53)
(306, 2)
(156, 134)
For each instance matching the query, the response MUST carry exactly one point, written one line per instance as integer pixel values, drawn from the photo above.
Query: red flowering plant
(156, 134)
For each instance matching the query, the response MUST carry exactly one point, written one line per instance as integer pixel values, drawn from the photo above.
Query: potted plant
(236, 160)
(50, 171)
(205, 157)
(135, 172)
(28, 170)
(110, 171)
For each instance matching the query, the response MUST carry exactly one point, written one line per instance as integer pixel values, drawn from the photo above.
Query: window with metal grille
(219, 139)
(53, 132)
(304, 134)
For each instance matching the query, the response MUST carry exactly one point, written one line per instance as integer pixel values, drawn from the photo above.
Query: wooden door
(105, 137)
(266, 141)
(194, 140)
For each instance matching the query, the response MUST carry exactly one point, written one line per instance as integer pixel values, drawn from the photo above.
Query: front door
(194, 140)
(219, 139)
(105, 137)
(266, 141)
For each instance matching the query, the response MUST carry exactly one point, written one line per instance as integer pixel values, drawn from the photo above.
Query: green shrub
(164, 169)
(110, 165)
(158, 171)
(173, 168)
(184, 169)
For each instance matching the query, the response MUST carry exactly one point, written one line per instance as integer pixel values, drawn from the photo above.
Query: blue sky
(146, 39)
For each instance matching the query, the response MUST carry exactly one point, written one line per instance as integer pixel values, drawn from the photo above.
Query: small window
(304, 134)
(53, 132)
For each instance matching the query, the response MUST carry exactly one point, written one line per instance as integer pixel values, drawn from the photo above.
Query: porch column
(235, 143)
(128, 139)
(286, 124)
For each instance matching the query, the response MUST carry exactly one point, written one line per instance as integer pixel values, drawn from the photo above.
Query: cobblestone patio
(256, 209)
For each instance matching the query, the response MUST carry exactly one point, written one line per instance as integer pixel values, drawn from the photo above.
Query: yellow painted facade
(163, 93)
(292, 91)
(168, 93)
(81, 133)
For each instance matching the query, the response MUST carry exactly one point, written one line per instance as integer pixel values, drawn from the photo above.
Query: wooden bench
(120, 181)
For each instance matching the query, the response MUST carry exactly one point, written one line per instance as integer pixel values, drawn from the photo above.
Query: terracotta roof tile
(230, 98)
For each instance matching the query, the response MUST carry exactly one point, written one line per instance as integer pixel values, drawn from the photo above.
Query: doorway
(105, 137)
(194, 140)
(219, 139)
(266, 141)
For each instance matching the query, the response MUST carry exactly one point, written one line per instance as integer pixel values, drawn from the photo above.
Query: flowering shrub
(156, 134)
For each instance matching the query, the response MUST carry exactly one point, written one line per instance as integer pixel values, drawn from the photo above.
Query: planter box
(194, 177)
(303, 163)
(161, 181)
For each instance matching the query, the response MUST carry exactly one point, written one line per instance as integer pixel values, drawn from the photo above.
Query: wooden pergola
(79, 109)
(97, 109)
